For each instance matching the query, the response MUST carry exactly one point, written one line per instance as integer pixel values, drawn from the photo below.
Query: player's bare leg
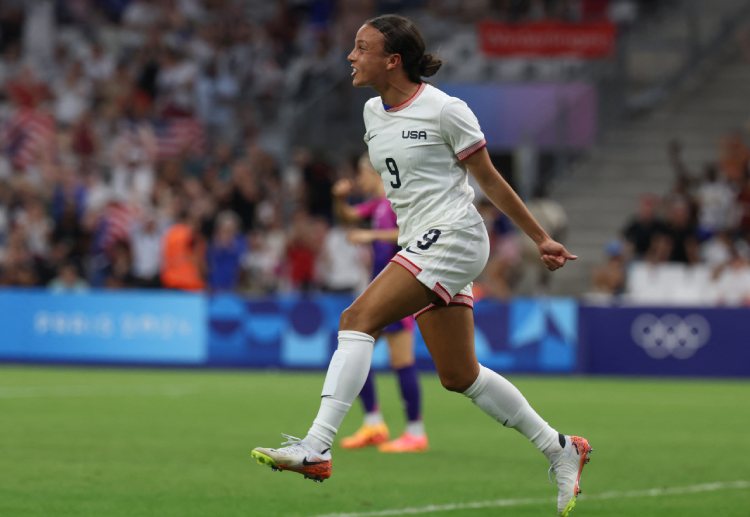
(449, 335)
(394, 294)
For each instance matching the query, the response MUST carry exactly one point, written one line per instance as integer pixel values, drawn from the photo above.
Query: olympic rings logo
(670, 335)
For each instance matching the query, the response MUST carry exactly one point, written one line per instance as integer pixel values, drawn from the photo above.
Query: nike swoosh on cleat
(308, 463)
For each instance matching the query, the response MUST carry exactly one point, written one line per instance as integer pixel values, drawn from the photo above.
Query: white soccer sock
(415, 428)
(346, 375)
(374, 418)
(497, 397)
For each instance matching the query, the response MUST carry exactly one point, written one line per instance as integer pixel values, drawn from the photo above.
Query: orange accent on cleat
(406, 443)
(317, 471)
(295, 457)
(366, 436)
(584, 449)
(567, 466)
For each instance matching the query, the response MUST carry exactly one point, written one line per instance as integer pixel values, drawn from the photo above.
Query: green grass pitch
(116, 442)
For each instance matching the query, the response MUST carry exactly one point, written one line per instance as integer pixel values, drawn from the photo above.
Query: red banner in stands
(549, 39)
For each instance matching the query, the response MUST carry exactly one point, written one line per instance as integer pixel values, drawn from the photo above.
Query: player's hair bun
(429, 65)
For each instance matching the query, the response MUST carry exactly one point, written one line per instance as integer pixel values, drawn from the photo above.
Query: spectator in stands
(730, 279)
(183, 255)
(133, 156)
(301, 252)
(718, 250)
(5, 213)
(734, 160)
(640, 231)
(742, 207)
(501, 272)
(678, 238)
(318, 177)
(145, 240)
(217, 92)
(685, 183)
(73, 94)
(608, 278)
(716, 208)
(70, 233)
(68, 280)
(265, 264)
(37, 226)
(118, 273)
(17, 268)
(242, 196)
(342, 267)
(225, 254)
(175, 83)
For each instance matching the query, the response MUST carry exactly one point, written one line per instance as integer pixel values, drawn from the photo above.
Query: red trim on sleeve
(462, 155)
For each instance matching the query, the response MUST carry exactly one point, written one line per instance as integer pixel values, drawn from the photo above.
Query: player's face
(368, 58)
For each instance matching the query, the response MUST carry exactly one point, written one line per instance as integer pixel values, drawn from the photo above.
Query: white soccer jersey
(417, 148)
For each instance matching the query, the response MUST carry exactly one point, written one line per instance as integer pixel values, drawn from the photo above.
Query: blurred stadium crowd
(132, 153)
(691, 243)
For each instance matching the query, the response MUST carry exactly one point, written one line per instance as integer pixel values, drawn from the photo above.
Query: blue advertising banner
(665, 341)
(292, 331)
(104, 327)
(300, 332)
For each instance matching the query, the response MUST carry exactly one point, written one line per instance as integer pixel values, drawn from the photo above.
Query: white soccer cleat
(567, 465)
(296, 457)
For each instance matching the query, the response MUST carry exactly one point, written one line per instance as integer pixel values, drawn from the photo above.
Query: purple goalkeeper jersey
(382, 217)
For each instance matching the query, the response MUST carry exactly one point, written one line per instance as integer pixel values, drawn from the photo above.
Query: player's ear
(393, 61)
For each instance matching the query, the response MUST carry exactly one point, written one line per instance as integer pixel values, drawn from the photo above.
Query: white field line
(71, 391)
(505, 503)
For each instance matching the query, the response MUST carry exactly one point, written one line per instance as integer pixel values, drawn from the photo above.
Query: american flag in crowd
(118, 219)
(179, 135)
(27, 135)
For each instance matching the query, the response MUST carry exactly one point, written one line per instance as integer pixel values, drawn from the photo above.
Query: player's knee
(455, 381)
(354, 318)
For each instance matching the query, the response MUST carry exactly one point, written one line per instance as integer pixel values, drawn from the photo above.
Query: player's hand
(359, 236)
(554, 255)
(342, 188)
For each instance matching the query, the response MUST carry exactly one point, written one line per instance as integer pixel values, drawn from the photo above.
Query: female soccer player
(399, 335)
(423, 142)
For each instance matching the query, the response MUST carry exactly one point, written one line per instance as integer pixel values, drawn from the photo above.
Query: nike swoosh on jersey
(408, 248)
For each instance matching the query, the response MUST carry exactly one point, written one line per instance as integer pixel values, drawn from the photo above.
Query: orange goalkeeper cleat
(366, 436)
(406, 443)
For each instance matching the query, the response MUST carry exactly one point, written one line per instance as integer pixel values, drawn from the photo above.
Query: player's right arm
(553, 254)
(343, 210)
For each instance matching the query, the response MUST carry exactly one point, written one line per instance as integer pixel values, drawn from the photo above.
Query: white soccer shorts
(447, 261)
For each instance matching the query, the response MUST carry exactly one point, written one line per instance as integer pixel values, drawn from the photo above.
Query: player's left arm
(553, 254)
